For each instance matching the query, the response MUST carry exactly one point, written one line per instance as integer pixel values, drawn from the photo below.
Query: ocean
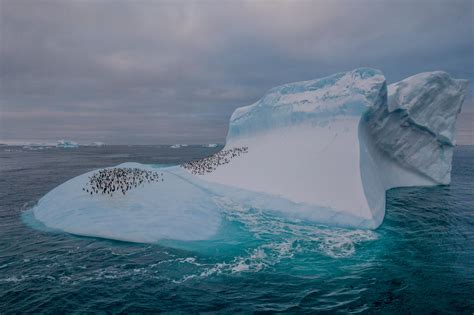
(421, 260)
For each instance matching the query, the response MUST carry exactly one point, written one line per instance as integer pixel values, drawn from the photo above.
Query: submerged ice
(323, 150)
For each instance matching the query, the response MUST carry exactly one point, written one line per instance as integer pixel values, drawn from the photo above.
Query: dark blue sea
(420, 261)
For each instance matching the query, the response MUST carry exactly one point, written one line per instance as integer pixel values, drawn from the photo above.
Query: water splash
(278, 239)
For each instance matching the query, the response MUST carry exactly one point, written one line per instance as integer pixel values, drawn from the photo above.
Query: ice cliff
(324, 150)
(333, 146)
(416, 127)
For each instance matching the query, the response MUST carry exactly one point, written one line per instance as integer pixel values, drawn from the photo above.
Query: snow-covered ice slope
(173, 209)
(324, 150)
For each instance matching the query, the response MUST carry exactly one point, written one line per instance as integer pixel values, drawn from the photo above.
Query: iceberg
(67, 144)
(34, 146)
(324, 150)
(97, 144)
(177, 146)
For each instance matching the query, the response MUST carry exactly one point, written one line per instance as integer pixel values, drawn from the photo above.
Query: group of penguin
(211, 163)
(117, 180)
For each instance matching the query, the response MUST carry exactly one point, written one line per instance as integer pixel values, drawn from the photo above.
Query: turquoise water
(421, 260)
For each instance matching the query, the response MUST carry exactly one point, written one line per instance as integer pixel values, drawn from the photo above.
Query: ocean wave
(280, 239)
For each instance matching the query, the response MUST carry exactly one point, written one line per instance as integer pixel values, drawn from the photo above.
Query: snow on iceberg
(324, 150)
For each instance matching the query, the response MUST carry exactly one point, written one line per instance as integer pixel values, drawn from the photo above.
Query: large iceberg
(324, 150)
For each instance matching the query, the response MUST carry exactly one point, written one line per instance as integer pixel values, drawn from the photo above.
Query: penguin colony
(117, 180)
(211, 163)
(112, 181)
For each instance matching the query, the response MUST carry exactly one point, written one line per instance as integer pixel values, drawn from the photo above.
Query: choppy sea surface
(421, 260)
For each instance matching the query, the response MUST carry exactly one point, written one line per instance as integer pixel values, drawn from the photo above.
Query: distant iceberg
(37, 146)
(324, 150)
(211, 145)
(68, 144)
(97, 144)
(177, 146)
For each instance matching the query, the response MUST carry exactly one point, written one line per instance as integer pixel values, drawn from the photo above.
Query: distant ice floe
(177, 146)
(67, 144)
(323, 150)
(27, 146)
(97, 144)
(36, 146)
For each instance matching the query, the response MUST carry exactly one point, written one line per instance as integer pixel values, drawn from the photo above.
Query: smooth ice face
(303, 147)
(323, 150)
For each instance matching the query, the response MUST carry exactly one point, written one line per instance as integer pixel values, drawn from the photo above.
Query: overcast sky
(155, 72)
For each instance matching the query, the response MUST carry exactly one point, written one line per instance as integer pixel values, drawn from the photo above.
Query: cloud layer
(147, 72)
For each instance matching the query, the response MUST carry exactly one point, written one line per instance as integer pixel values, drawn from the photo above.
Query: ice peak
(432, 100)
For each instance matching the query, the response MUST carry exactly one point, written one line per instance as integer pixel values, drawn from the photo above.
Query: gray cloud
(165, 72)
